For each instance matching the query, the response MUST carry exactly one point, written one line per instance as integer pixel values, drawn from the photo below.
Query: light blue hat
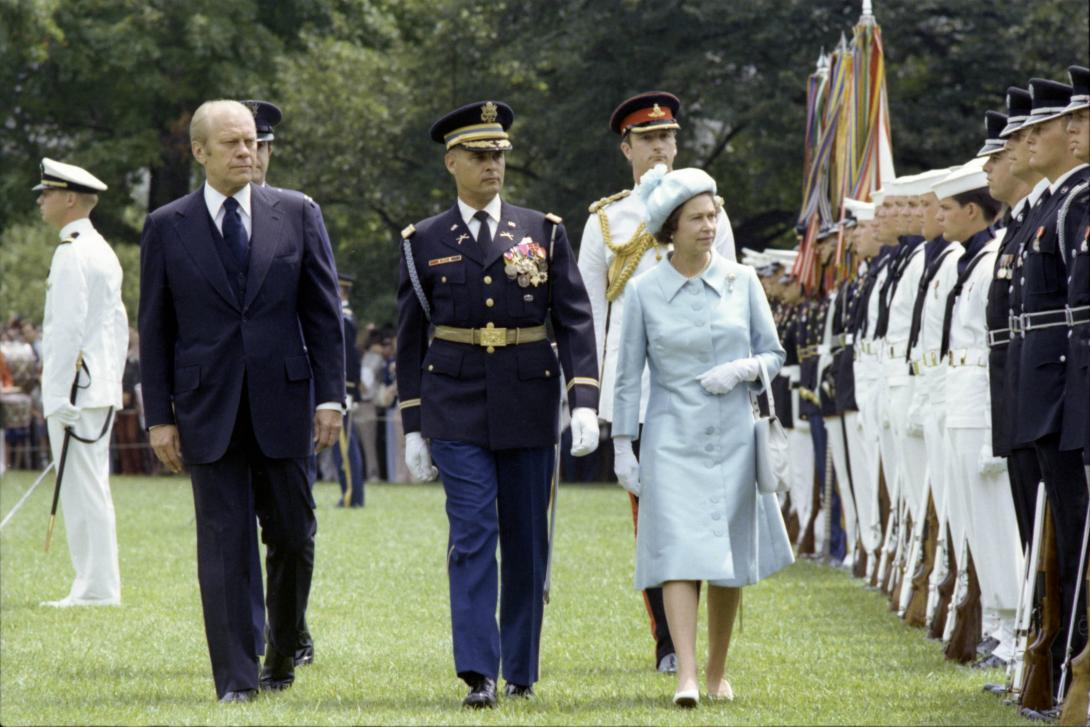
(663, 192)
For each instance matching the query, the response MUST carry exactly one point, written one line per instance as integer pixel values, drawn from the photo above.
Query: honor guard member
(976, 479)
(1004, 303)
(1076, 418)
(477, 376)
(85, 339)
(614, 248)
(1043, 324)
(266, 116)
(347, 453)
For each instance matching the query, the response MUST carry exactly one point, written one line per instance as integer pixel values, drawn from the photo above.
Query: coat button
(431, 367)
(710, 430)
(443, 279)
(489, 302)
(491, 349)
(1063, 358)
(488, 280)
(715, 516)
(718, 532)
(548, 373)
(709, 447)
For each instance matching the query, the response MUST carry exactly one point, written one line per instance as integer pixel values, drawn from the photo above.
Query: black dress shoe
(990, 662)
(279, 670)
(987, 646)
(482, 693)
(997, 689)
(242, 695)
(304, 653)
(518, 691)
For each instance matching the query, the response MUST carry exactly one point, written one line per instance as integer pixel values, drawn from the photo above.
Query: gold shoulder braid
(627, 256)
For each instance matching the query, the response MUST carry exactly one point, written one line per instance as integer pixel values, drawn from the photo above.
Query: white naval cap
(861, 211)
(69, 177)
(965, 178)
(917, 184)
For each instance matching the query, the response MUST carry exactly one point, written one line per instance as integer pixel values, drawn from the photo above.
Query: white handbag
(770, 441)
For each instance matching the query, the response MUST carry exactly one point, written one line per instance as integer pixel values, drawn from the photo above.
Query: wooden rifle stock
(883, 519)
(916, 612)
(1037, 681)
(807, 546)
(1025, 614)
(900, 558)
(859, 567)
(1076, 708)
(968, 620)
(945, 590)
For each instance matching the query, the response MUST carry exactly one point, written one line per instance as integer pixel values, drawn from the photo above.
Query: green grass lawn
(815, 647)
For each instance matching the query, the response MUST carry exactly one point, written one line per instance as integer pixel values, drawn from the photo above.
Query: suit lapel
(265, 236)
(509, 233)
(453, 233)
(191, 223)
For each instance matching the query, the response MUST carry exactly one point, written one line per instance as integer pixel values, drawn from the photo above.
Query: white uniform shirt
(624, 216)
(968, 396)
(83, 314)
(929, 342)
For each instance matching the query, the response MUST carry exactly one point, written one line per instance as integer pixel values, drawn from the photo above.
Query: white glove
(625, 465)
(987, 465)
(916, 416)
(417, 458)
(724, 377)
(66, 414)
(584, 431)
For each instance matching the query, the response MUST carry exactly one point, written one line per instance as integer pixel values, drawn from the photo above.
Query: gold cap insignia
(489, 113)
(656, 112)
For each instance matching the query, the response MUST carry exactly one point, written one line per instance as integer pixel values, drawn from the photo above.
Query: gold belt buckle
(492, 336)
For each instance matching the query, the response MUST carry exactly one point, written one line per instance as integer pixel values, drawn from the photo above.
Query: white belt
(967, 357)
(895, 350)
(927, 360)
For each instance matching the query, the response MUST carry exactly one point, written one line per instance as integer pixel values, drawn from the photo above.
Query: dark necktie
(484, 235)
(234, 234)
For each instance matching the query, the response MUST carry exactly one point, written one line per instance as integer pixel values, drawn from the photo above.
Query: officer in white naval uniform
(977, 482)
(616, 247)
(85, 329)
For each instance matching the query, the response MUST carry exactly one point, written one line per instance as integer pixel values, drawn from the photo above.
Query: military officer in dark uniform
(1043, 328)
(477, 376)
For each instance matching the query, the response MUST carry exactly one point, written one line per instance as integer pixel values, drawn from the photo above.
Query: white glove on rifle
(417, 458)
(625, 465)
(584, 431)
(66, 414)
(724, 377)
(986, 464)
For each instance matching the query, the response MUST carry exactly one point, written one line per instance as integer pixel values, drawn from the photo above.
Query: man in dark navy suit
(484, 278)
(241, 337)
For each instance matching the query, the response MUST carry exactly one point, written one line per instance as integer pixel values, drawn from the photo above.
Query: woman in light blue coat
(703, 326)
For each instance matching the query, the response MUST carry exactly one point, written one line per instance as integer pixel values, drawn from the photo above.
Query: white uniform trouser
(835, 430)
(801, 447)
(992, 534)
(958, 517)
(863, 449)
(934, 437)
(88, 508)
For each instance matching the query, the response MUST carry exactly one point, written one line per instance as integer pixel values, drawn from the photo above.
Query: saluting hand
(167, 446)
(327, 427)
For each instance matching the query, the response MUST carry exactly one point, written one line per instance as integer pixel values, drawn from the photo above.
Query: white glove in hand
(625, 465)
(417, 458)
(724, 377)
(67, 414)
(584, 431)
(990, 466)
(915, 417)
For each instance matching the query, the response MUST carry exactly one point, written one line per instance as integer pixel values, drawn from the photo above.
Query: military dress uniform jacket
(1076, 415)
(84, 317)
(809, 334)
(1044, 351)
(506, 395)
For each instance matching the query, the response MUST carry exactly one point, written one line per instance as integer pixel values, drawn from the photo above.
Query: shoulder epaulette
(604, 201)
(555, 219)
(408, 232)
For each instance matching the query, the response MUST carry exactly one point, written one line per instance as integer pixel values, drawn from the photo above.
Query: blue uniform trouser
(355, 465)
(504, 495)
(837, 538)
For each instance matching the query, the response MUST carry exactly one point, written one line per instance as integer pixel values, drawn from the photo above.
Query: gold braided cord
(626, 257)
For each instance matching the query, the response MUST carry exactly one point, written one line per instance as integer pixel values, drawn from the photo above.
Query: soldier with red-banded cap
(85, 335)
(616, 247)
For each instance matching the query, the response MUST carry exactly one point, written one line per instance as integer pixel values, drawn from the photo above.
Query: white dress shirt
(493, 209)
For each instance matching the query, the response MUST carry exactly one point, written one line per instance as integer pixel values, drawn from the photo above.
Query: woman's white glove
(987, 465)
(625, 465)
(417, 458)
(584, 431)
(724, 377)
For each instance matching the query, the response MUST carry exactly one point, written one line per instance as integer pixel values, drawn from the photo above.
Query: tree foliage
(110, 84)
